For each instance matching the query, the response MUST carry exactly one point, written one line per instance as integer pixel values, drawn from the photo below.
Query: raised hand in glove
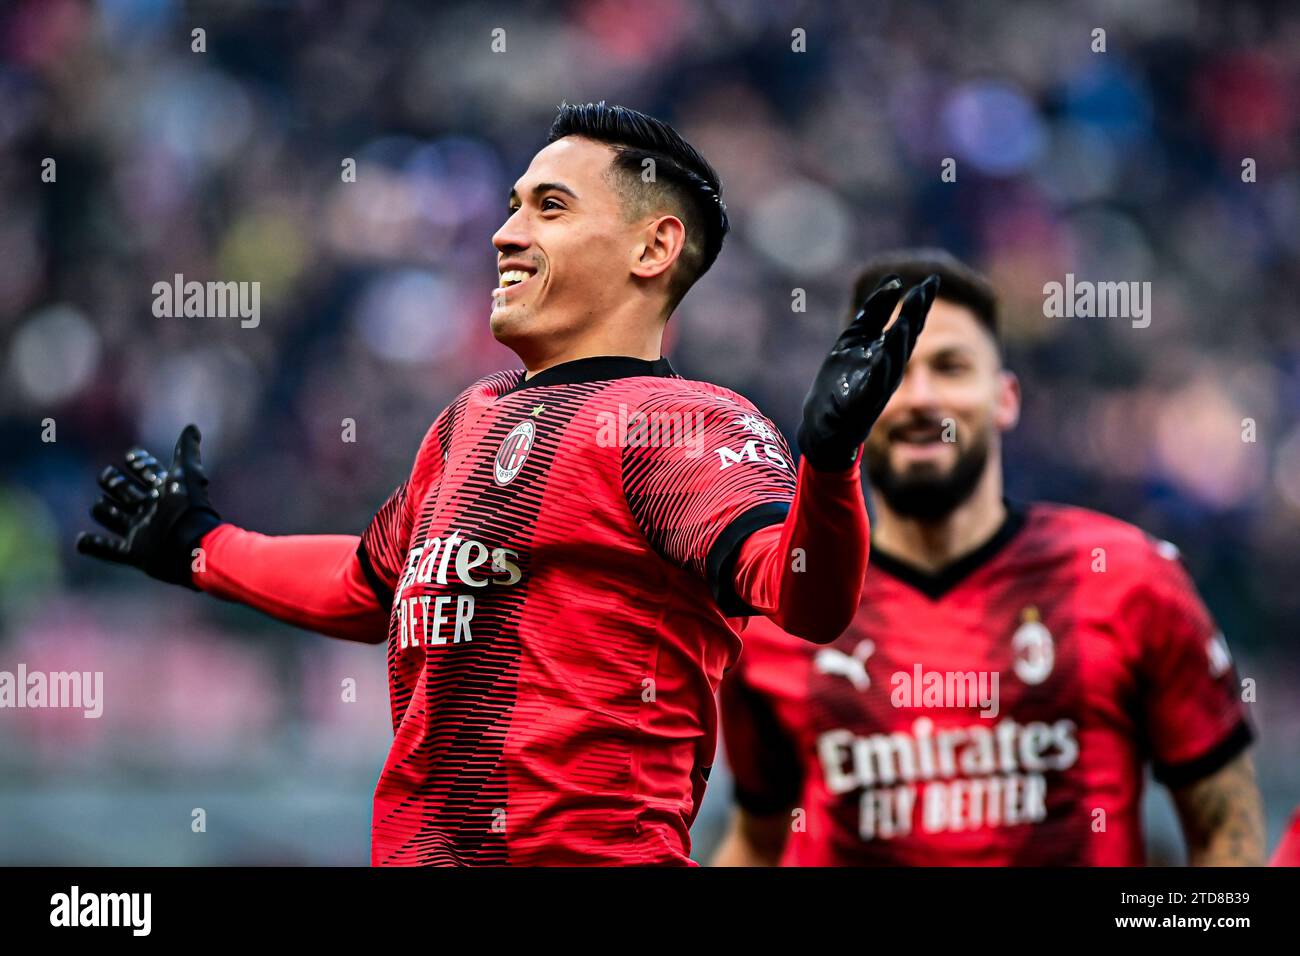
(159, 515)
(863, 369)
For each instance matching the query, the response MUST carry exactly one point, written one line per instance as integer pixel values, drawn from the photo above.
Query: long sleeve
(806, 573)
(315, 582)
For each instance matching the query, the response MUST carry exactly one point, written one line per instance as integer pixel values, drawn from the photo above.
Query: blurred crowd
(1167, 155)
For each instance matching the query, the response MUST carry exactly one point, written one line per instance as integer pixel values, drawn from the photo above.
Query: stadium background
(226, 165)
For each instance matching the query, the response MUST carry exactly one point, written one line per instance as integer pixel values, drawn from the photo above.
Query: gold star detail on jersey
(537, 411)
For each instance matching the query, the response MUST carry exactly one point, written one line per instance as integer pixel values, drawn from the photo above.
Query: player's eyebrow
(544, 188)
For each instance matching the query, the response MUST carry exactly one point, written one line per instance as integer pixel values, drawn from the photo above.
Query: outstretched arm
(806, 574)
(165, 525)
(313, 581)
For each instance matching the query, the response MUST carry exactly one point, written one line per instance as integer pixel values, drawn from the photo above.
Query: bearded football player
(562, 578)
(1010, 671)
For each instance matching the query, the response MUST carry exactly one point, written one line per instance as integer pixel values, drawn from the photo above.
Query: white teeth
(513, 276)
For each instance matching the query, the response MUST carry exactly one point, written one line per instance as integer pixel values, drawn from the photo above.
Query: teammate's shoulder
(1120, 541)
(1071, 520)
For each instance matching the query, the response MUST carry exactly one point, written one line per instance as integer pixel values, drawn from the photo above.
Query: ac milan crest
(514, 452)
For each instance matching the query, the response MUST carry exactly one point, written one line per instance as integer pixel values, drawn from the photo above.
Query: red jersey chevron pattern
(1106, 659)
(558, 625)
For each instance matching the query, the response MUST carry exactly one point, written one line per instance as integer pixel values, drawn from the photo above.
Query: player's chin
(507, 322)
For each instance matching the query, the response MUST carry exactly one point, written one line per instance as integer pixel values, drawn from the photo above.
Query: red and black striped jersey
(997, 713)
(557, 567)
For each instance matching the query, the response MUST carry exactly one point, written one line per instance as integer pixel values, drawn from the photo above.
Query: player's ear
(659, 244)
(1007, 412)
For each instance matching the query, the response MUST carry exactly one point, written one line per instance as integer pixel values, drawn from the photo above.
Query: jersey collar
(935, 584)
(598, 368)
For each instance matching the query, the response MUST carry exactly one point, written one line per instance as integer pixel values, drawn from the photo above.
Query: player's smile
(917, 441)
(515, 275)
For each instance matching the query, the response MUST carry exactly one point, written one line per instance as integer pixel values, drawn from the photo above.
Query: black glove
(160, 515)
(864, 367)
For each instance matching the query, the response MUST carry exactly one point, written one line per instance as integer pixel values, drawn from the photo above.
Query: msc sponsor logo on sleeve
(766, 440)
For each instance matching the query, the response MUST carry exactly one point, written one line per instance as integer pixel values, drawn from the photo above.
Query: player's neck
(641, 340)
(933, 545)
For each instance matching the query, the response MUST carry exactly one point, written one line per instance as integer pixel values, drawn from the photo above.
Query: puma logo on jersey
(851, 666)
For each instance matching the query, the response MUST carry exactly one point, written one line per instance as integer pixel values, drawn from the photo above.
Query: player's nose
(513, 235)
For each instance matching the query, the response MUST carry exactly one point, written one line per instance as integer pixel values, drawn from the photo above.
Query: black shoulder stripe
(721, 562)
(1216, 758)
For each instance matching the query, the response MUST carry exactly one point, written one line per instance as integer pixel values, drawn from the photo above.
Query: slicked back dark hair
(958, 282)
(683, 179)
